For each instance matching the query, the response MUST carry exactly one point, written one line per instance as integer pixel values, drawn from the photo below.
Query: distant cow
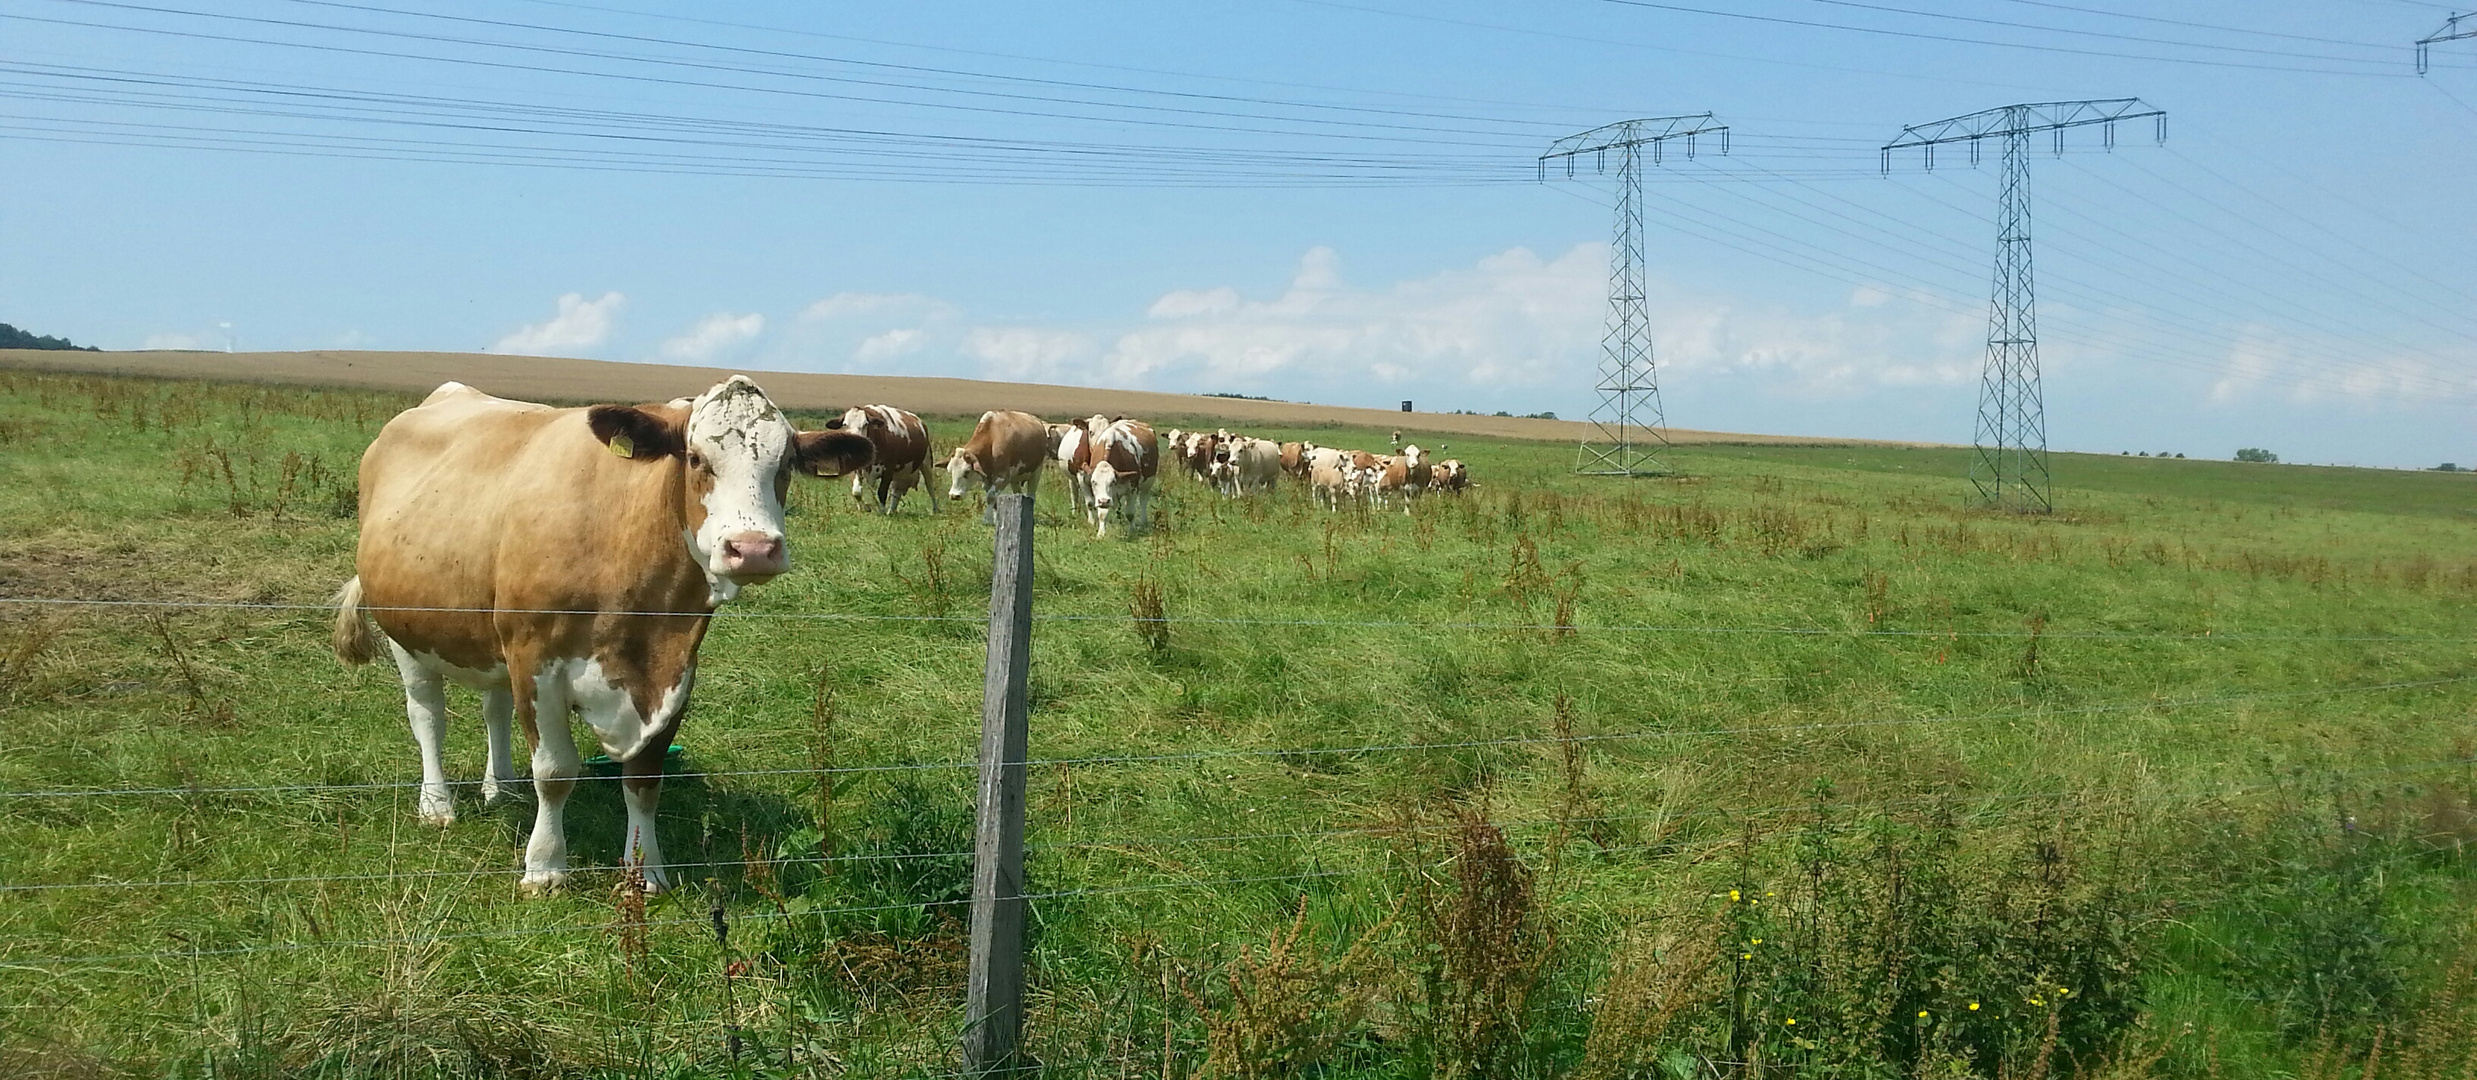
(567, 560)
(1004, 454)
(1406, 474)
(1196, 457)
(1247, 466)
(1328, 475)
(1122, 463)
(1449, 476)
(1066, 441)
(1365, 470)
(902, 460)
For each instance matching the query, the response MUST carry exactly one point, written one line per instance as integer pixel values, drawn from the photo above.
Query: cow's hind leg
(499, 776)
(542, 706)
(425, 704)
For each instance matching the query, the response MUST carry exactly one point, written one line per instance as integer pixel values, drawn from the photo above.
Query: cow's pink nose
(754, 553)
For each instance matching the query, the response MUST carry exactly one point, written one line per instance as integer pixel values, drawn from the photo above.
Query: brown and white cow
(1122, 464)
(1294, 459)
(1406, 475)
(1066, 441)
(1449, 476)
(567, 561)
(1195, 458)
(902, 460)
(1004, 454)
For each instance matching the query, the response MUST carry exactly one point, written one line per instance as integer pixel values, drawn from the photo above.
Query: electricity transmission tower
(1629, 389)
(2451, 31)
(2010, 467)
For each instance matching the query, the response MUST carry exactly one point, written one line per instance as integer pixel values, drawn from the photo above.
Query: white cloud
(1028, 354)
(879, 348)
(580, 324)
(712, 336)
(850, 305)
(870, 332)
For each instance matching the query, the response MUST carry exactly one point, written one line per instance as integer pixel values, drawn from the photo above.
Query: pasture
(1792, 760)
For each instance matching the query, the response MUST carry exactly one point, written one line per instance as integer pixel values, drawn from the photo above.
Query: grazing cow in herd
(1122, 463)
(1294, 459)
(1365, 470)
(1328, 475)
(1004, 454)
(1066, 441)
(567, 560)
(902, 460)
(1406, 474)
(1449, 477)
(1247, 465)
(1196, 457)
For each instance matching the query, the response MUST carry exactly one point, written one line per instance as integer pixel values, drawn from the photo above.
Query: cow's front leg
(555, 769)
(499, 776)
(640, 787)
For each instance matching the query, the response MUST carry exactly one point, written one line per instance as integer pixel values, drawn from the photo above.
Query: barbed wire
(1285, 623)
(1205, 755)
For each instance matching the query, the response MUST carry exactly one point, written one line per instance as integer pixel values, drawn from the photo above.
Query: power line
(2063, 49)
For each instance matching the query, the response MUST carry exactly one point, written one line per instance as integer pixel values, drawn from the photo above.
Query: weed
(1484, 947)
(1290, 1003)
(1151, 615)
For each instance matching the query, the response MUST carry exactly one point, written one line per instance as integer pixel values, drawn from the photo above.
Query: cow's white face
(961, 473)
(1108, 483)
(733, 454)
(739, 449)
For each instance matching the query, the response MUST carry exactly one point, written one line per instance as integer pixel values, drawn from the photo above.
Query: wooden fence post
(993, 994)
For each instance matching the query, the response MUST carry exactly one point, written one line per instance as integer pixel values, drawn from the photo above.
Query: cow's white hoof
(494, 792)
(439, 811)
(541, 883)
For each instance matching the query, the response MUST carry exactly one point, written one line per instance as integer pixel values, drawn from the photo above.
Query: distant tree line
(14, 338)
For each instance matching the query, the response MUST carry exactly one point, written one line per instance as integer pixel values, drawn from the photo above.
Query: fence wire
(1286, 623)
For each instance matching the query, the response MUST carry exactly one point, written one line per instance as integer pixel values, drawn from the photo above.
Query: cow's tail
(355, 640)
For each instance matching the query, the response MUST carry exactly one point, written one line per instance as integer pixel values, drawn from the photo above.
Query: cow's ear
(831, 453)
(640, 433)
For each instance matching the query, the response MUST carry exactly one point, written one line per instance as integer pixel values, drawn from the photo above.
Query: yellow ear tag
(623, 446)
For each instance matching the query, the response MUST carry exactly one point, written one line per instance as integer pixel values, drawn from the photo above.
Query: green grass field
(1791, 760)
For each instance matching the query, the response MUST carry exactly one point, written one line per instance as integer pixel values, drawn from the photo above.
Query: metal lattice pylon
(2009, 468)
(1626, 434)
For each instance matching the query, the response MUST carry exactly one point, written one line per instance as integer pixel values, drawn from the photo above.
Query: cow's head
(962, 471)
(735, 453)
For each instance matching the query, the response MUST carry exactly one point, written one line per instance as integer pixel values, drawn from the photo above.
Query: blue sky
(1325, 201)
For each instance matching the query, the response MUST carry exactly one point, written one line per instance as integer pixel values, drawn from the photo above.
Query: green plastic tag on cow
(623, 446)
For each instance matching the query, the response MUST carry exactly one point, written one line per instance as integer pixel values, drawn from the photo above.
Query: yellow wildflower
(1922, 1014)
(1973, 1006)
